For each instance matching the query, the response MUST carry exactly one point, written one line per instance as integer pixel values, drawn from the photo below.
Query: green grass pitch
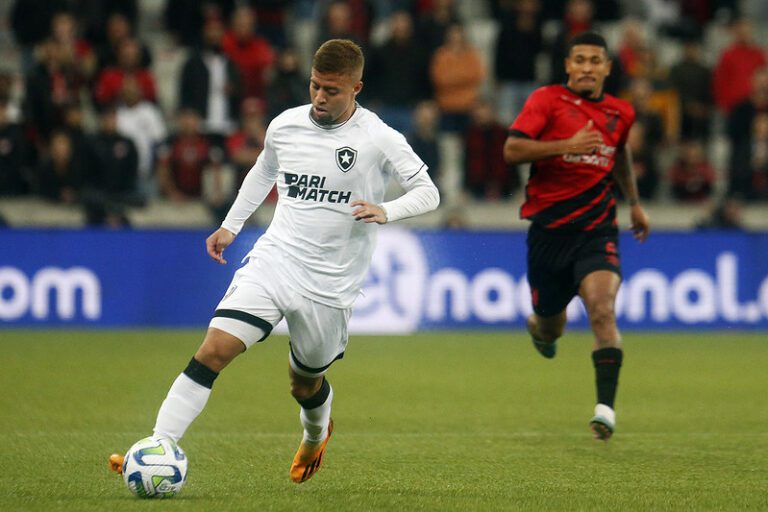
(444, 421)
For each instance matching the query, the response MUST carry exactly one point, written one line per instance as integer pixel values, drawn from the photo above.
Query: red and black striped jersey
(572, 192)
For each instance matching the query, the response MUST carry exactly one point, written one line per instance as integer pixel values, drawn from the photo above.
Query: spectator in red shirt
(577, 18)
(272, 16)
(344, 19)
(118, 29)
(64, 33)
(487, 175)
(180, 162)
(245, 145)
(51, 86)
(633, 50)
(733, 73)
(692, 177)
(741, 135)
(252, 53)
(110, 81)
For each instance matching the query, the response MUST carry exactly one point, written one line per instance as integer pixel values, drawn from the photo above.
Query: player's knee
(602, 314)
(550, 331)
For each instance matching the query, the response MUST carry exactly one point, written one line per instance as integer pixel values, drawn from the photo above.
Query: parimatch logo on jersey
(310, 187)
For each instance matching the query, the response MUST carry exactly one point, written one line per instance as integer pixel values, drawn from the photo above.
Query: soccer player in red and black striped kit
(575, 136)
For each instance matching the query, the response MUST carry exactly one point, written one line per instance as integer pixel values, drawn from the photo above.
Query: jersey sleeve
(400, 160)
(257, 184)
(630, 121)
(410, 172)
(533, 118)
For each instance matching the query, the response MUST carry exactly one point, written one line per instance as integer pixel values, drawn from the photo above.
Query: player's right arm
(252, 193)
(255, 188)
(256, 185)
(518, 149)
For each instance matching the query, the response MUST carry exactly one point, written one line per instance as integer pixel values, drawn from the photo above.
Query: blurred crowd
(426, 75)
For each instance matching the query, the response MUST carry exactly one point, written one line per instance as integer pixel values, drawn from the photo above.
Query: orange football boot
(308, 458)
(116, 463)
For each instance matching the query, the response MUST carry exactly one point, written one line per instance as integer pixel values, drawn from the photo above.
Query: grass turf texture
(448, 421)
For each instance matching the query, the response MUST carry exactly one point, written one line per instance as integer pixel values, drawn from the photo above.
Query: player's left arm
(421, 196)
(625, 177)
(400, 161)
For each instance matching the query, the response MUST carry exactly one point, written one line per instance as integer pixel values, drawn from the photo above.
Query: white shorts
(254, 304)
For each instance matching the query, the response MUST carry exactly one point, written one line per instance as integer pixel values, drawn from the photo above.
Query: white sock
(606, 412)
(186, 399)
(315, 421)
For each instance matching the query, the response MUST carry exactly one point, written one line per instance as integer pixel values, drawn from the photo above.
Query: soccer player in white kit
(331, 161)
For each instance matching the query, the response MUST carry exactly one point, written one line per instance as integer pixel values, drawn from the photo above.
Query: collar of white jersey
(332, 126)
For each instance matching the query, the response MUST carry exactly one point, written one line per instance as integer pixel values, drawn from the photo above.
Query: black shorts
(558, 261)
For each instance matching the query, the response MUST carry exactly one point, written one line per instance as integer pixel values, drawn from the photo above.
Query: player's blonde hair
(339, 56)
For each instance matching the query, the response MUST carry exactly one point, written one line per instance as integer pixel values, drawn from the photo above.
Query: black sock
(318, 398)
(200, 373)
(607, 364)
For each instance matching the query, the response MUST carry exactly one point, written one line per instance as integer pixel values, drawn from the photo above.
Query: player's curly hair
(340, 56)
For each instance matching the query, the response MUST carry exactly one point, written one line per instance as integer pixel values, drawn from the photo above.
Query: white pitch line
(384, 435)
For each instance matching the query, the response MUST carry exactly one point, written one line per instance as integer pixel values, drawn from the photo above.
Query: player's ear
(358, 87)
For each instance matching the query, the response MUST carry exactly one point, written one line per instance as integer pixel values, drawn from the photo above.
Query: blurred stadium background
(126, 127)
(693, 68)
(147, 114)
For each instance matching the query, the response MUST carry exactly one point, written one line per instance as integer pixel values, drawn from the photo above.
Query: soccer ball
(155, 468)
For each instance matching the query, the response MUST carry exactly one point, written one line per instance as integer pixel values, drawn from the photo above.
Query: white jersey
(314, 242)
